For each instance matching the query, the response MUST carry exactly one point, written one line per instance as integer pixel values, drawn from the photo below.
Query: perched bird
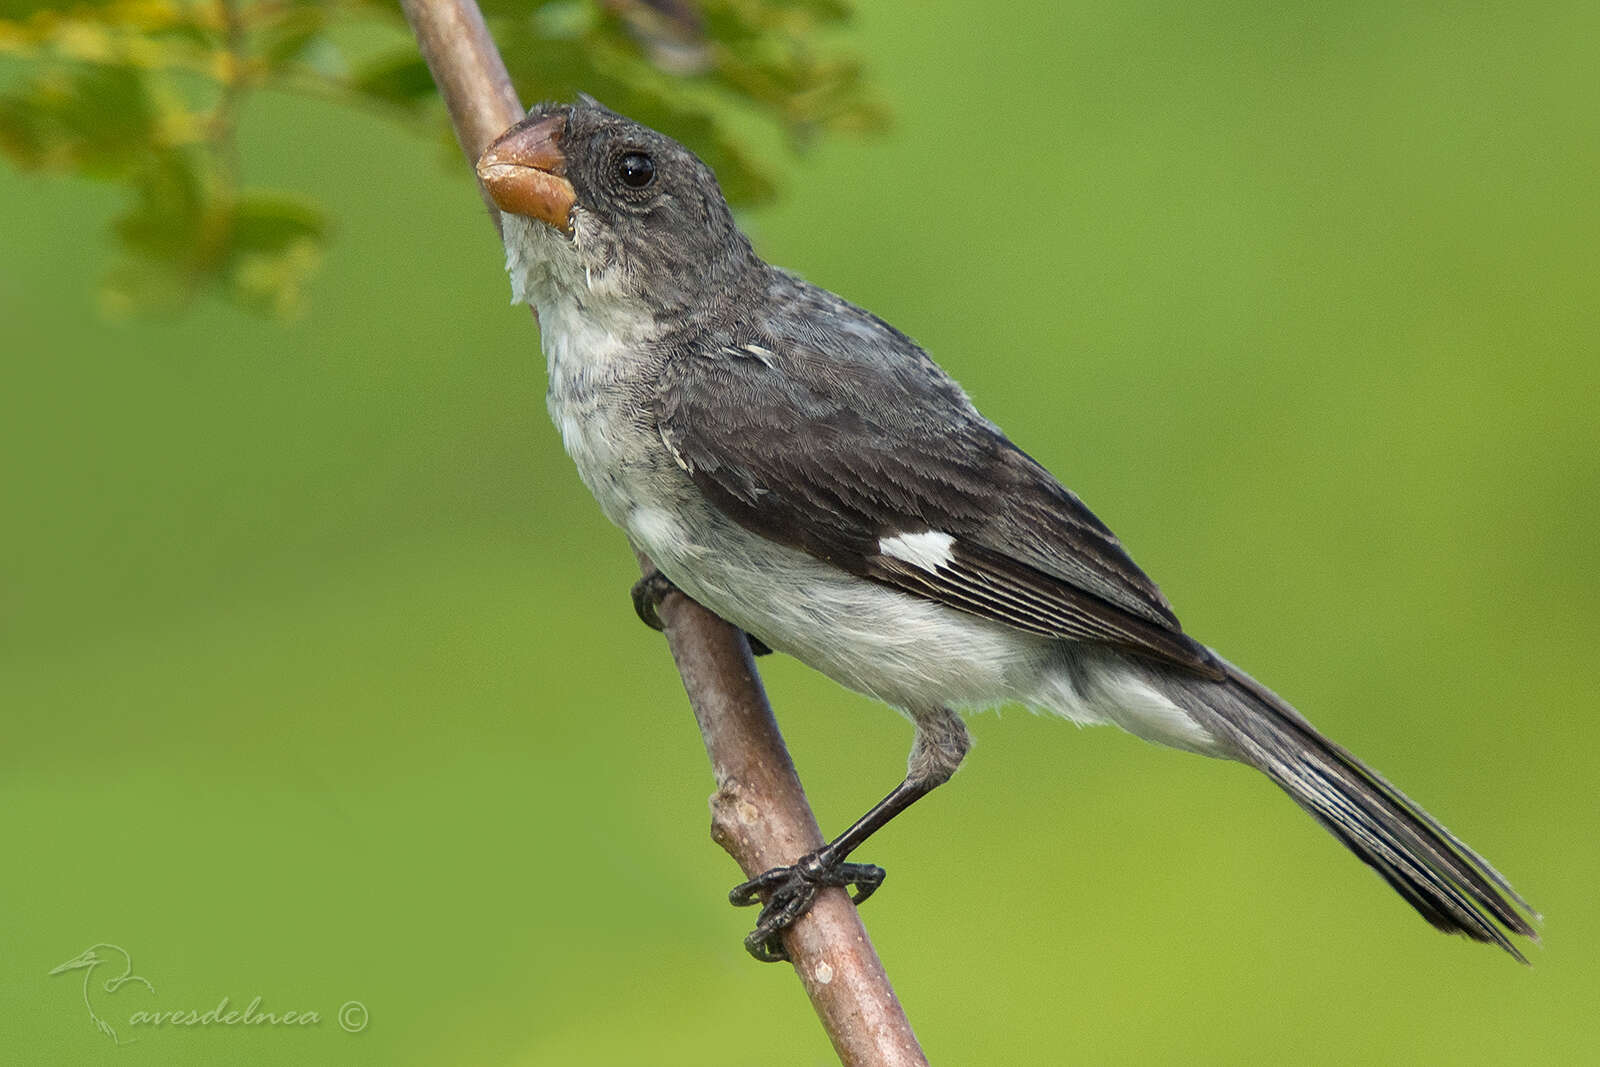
(805, 471)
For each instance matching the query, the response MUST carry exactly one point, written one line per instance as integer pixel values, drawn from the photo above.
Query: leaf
(276, 247)
(286, 39)
(258, 251)
(147, 93)
(269, 222)
(169, 216)
(97, 120)
(163, 236)
(21, 9)
(563, 20)
(398, 79)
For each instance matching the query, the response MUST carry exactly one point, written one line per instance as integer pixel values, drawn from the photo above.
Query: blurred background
(321, 682)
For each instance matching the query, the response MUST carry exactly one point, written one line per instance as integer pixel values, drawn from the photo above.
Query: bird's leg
(648, 593)
(941, 744)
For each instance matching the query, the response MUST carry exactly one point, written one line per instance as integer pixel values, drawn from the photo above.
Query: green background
(320, 681)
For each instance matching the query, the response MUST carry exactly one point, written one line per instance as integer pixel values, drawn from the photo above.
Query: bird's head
(87, 958)
(597, 203)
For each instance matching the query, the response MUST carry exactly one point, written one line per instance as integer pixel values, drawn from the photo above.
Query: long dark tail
(1452, 887)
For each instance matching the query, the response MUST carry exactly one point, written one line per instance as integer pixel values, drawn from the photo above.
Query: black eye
(636, 170)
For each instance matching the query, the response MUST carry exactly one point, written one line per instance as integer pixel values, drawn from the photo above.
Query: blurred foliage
(148, 93)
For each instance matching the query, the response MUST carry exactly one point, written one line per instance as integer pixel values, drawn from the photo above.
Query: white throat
(592, 330)
(599, 353)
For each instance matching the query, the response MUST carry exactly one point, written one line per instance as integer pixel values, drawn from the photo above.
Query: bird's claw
(648, 593)
(790, 892)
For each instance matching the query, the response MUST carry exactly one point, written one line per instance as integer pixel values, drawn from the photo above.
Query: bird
(805, 471)
(90, 959)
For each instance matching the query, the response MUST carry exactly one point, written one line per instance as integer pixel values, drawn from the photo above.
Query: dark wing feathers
(992, 584)
(831, 453)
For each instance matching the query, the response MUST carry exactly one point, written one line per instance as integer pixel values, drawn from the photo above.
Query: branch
(759, 812)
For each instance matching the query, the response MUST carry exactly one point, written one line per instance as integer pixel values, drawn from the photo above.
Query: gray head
(618, 206)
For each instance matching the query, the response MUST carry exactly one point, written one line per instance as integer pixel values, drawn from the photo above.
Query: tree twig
(759, 812)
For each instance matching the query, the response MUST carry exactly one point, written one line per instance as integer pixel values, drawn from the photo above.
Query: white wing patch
(763, 355)
(677, 457)
(929, 550)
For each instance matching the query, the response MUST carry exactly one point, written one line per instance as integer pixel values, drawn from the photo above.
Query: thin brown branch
(759, 812)
(471, 76)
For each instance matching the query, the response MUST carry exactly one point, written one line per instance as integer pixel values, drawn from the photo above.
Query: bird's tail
(1452, 887)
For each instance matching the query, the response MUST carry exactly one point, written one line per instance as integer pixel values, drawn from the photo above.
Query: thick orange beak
(522, 172)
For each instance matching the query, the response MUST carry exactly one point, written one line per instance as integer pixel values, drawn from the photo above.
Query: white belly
(906, 651)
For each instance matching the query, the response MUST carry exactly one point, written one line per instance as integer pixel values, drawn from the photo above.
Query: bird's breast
(600, 382)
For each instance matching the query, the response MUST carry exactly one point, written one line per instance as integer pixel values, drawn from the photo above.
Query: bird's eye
(636, 170)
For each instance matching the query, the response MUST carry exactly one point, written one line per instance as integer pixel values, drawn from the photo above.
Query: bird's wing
(882, 467)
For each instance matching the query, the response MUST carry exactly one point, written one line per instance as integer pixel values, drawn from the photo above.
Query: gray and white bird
(805, 471)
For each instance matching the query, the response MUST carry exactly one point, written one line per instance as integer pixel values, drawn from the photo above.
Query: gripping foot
(790, 892)
(648, 593)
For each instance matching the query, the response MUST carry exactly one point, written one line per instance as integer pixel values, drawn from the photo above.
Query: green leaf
(287, 39)
(21, 9)
(145, 94)
(563, 20)
(398, 79)
(97, 120)
(169, 217)
(163, 237)
(269, 222)
(277, 244)
(259, 250)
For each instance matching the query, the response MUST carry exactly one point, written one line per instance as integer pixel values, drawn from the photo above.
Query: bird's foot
(648, 593)
(790, 892)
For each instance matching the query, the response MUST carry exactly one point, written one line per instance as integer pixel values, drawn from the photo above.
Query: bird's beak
(88, 959)
(522, 172)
